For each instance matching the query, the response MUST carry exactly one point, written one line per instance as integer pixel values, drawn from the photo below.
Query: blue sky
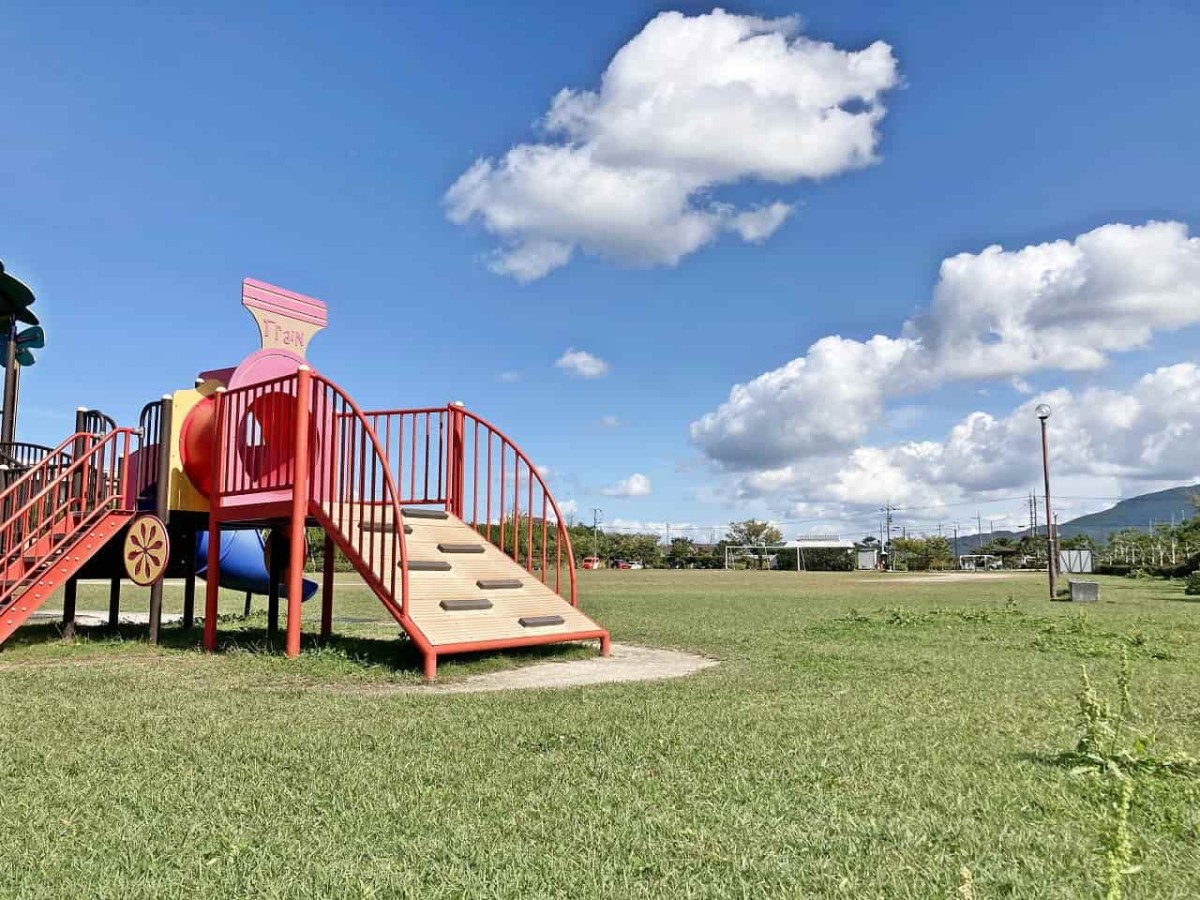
(153, 159)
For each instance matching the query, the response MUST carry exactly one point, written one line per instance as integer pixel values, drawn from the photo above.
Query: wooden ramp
(465, 594)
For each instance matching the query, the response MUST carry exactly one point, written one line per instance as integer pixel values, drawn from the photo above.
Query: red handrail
(349, 474)
(257, 424)
(95, 482)
(508, 491)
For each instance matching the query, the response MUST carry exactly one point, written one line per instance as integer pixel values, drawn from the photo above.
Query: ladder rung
(386, 527)
(421, 512)
(539, 621)
(460, 548)
(463, 605)
(428, 565)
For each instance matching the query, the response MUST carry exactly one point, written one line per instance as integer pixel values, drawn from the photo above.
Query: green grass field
(861, 738)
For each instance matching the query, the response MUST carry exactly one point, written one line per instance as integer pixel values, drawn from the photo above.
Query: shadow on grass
(395, 653)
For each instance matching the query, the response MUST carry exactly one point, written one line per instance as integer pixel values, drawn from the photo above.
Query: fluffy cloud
(997, 315)
(1062, 305)
(689, 104)
(636, 485)
(581, 363)
(662, 529)
(820, 402)
(1144, 434)
(611, 421)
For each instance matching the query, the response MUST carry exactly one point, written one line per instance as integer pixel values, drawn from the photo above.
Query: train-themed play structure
(441, 515)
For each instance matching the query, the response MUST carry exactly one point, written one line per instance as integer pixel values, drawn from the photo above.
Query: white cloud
(816, 404)
(689, 104)
(611, 421)
(636, 485)
(662, 529)
(996, 315)
(1061, 305)
(510, 377)
(569, 509)
(1138, 439)
(581, 363)
(756, 225)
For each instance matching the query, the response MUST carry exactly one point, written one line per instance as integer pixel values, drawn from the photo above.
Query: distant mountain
(1136, 512)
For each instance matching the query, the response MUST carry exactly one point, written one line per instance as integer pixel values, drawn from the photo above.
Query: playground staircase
(447, 521)
(463, 591)
(56, 516)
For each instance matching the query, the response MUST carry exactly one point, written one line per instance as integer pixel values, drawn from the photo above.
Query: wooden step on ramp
(499, 584)
(423, 512)
(428, 565)
(465, 605)
(464, 593)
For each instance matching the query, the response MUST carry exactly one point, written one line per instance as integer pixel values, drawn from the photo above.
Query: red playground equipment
(444, 518)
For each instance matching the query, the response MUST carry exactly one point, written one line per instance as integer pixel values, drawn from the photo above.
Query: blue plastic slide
(243, 564)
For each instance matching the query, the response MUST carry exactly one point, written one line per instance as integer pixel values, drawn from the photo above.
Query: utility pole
(956, 560)
(978, 530)
(596, 513)
(1043, 413)
(887, 510)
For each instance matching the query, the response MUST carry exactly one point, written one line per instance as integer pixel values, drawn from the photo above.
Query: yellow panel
(181, 493)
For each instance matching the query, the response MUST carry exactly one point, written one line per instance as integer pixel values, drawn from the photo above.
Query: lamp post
(15, 300)
(1043, 413)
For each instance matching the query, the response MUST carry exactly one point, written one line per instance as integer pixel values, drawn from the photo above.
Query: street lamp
(15, 300)
(1042, 411)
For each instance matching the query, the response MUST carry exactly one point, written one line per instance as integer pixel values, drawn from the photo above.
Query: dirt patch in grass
(626, 663)
(954, 576)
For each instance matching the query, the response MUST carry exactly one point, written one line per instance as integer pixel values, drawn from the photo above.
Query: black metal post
(278, 552)
(162, 508)
(189, 579)
(12, 375)
(114, 602)
(70, 590)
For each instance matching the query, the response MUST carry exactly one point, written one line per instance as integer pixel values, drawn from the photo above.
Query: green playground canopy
(15, 299)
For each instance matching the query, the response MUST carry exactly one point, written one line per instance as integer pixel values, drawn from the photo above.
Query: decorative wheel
(147, 550)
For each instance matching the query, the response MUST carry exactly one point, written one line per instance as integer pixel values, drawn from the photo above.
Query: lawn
(862, 737)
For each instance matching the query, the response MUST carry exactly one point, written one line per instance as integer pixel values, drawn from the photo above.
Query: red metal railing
(364, 466)
(52, 502)
(257, 426)
(414, 443)
(353, 485)
(485, 479)
(348, 478)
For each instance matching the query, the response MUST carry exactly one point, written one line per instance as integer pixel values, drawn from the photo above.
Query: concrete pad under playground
(626, 663)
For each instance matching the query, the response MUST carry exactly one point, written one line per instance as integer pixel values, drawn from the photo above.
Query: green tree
(923, 553)
(754, 533)
(682, 553)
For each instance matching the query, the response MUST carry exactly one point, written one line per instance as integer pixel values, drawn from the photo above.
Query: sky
(786, 261)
